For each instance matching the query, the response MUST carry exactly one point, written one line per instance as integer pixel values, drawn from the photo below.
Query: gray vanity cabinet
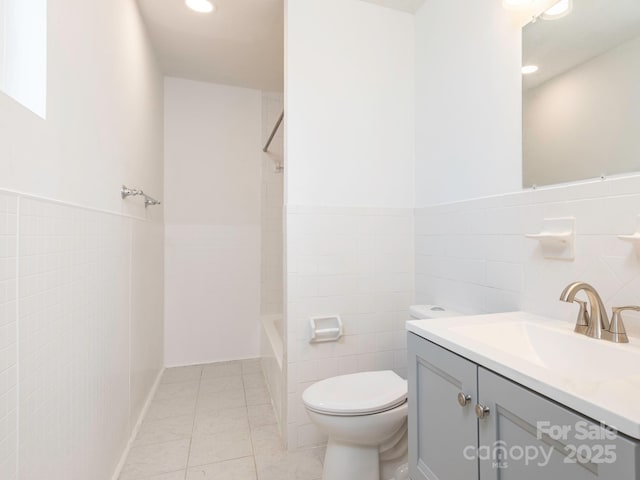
(565, 446)
(521, 435)
(439, 427)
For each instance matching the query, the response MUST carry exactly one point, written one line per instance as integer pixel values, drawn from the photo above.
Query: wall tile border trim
(65, 203)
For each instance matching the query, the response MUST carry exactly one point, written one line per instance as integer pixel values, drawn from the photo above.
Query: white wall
(584, 122)
(80, 270)
(349, 191)
(272, 207)
(468, 94)
(103, 125)
(350, 104)
(212, 190)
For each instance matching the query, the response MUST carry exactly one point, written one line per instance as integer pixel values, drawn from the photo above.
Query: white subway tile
(518, 276)
(79, 318)
(360, 265)
(505, 276)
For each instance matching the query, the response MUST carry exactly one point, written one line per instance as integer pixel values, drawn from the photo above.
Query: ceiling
(410, 6)
(241, 43)
(592, 28)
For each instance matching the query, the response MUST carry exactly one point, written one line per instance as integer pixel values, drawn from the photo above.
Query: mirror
(581, 108)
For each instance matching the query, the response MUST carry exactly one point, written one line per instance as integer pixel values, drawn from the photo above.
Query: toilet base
(348, 462)
(389, 469)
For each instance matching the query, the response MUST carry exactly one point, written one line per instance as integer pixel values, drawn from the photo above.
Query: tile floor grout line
(193, 421)
(246, 403)
(273, 466)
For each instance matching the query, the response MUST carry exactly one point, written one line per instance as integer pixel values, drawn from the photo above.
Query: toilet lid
(363, 393)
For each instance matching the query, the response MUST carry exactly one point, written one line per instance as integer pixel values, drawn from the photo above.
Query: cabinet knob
(481, 411)
(463, 399)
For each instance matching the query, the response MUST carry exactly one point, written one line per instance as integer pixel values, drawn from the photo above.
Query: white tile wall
(8, 339)
(74, 340)
(472, 256)
(272, 207)
(147, 311)
(275, 378)
(358, 263)
(272, 246)
(78, 354)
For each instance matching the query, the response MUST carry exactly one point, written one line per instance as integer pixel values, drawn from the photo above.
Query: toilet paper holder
(326, 329)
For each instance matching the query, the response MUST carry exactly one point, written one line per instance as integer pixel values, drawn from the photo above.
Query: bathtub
(273, 337)
(272, 355)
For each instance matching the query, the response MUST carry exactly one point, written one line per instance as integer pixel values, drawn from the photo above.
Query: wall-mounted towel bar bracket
(129, 192)
(133, 192)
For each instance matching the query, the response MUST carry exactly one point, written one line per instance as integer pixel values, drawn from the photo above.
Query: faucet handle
(582, 323)
(617, 330)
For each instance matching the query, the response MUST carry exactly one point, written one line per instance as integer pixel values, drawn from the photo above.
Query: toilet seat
(365, 393)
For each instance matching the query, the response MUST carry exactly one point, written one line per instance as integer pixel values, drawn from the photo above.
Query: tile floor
(215, 422)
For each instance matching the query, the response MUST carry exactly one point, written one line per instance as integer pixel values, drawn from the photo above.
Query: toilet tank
(421, 312)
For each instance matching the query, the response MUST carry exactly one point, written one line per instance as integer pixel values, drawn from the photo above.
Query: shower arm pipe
(133, 192)
(273, 133)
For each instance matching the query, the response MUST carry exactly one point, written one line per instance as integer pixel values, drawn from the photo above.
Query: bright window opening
(23, 52)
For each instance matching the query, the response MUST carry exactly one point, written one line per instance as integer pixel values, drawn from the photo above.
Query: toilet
(364, 416)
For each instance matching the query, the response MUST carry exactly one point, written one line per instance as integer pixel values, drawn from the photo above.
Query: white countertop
(596, 378)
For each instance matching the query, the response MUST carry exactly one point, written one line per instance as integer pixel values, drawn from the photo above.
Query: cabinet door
(526, 436)
(439, 427)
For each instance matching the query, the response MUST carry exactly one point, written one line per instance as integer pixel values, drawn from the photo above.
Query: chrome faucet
(594, 323)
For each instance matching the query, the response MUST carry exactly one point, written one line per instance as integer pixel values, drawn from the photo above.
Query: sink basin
(597, 378)
(559, 349)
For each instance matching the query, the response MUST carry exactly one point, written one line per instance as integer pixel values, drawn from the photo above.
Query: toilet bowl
(364, 416)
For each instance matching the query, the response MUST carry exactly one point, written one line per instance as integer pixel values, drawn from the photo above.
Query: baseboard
(136, 428)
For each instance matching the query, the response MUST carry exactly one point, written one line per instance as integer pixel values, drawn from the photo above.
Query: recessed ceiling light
(559, 10)
(527, 69)
(202, 6)
(516, 4)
